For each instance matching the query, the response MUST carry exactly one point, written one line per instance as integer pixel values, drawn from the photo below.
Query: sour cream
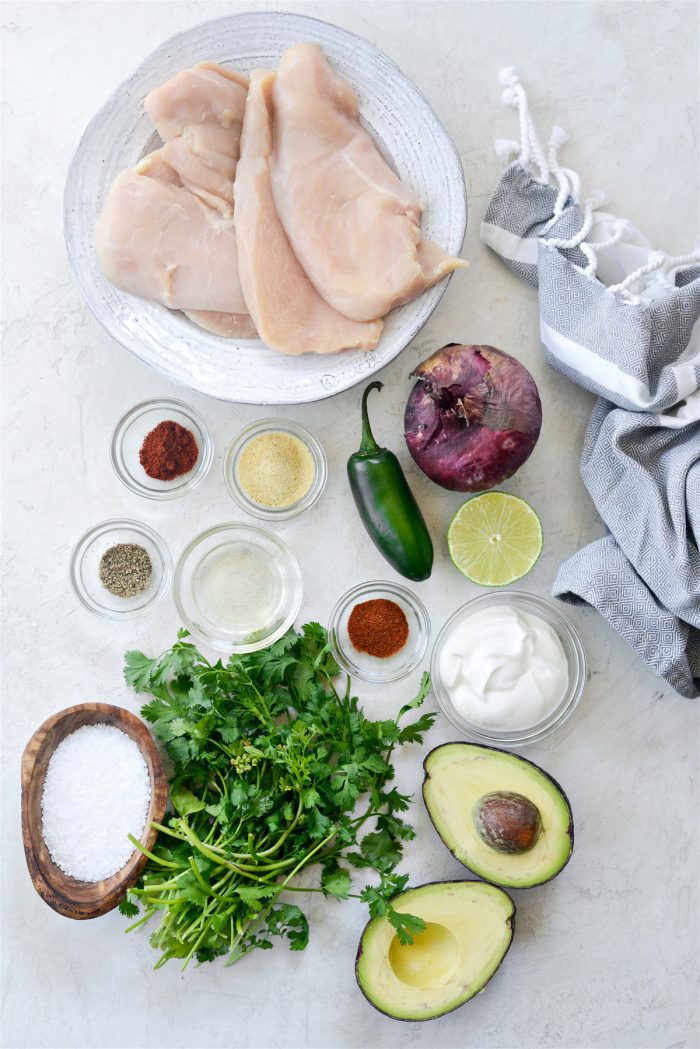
(504, 669)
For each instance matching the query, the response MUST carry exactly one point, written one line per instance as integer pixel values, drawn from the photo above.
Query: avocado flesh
(457, 775)
(469, 927)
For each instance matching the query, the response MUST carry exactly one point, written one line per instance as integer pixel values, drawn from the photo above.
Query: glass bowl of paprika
(379, 631)
(161, 449)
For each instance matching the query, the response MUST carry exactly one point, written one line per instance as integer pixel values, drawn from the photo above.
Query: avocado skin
(422, 1019)
(499, 750)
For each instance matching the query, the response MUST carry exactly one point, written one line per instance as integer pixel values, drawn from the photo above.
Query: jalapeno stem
(368, 445)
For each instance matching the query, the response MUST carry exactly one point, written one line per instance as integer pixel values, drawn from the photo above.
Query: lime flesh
(495, 538)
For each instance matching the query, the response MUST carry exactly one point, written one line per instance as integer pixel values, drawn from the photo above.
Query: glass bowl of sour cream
(508, 668)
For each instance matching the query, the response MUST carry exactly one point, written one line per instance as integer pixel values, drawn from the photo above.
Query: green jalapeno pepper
(386, 504)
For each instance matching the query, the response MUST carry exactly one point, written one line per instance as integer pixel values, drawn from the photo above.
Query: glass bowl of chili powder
(161, 449)
(379, 631)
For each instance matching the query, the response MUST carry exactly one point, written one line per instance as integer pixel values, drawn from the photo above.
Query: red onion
(472, 418)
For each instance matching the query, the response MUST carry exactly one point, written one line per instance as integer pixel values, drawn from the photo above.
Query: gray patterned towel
(622, 321)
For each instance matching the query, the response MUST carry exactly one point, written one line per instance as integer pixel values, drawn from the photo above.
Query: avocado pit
(507, 822)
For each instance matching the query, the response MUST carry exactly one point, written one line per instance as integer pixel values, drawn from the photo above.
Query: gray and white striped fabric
(635, 342)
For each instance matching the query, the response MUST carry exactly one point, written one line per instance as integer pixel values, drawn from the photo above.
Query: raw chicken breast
(354, 226)
(157, 240)
(227, 325)
(166, 230)
(199, 114)
(288, 312)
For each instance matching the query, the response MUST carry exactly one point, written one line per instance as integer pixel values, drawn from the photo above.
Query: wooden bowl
(67, 895)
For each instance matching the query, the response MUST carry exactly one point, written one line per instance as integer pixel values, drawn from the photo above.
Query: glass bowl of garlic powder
(275, 469)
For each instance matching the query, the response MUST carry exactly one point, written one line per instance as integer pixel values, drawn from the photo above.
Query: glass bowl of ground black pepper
(121, 569)
(161, 449)
(379, 631)
(275, 469)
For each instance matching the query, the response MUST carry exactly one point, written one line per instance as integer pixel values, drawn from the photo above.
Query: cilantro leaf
(287, 920)
(138, 670)
(184, 801)
(251, 893)
(128, 908)
(311, 798)
(417, 701)
(407, 925)
(395, 801)
(318, 823)
(380, 849)
(414, 732)
(346, 784)
(336, 882)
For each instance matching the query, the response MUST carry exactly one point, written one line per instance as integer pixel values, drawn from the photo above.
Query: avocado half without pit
(468, 930)
(500, 815)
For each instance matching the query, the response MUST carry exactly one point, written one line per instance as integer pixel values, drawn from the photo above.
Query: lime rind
(486, 563)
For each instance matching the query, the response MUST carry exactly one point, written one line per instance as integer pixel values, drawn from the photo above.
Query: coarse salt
(97, 790)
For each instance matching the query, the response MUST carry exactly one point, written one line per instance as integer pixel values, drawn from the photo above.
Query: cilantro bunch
(273, 771)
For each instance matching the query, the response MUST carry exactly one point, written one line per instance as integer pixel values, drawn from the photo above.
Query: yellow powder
(276, 469)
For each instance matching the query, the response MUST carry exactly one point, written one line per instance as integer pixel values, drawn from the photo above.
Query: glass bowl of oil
(238, 587)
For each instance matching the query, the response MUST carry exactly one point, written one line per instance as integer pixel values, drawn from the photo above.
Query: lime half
(495, 538)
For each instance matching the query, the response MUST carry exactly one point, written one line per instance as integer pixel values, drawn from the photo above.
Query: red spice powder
(168, 451)
(378, 627)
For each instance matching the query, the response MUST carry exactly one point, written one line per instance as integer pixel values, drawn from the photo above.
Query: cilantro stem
(222, 880)
(305, 860)
(194, 947)
(149, 914)
(278, 844)
(154, 859)
(207, 888)
(159, 886)
(244, 869)
(263, 868)
(255, 923)
(167, 830)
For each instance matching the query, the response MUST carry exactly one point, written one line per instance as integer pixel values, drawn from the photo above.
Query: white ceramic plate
(393, 110)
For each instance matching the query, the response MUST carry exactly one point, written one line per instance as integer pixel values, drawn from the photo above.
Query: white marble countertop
(604, 956)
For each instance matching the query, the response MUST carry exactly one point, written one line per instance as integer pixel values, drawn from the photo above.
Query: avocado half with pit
(468, 930)
(500, 815)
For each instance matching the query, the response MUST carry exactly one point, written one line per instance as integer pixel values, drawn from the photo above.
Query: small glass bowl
(129, 435)
(372, 668)
(575, 656)
(238, 493)
(238, 587)
(85, 569)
